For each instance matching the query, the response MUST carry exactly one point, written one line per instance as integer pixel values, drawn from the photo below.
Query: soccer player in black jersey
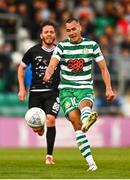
(43, 95)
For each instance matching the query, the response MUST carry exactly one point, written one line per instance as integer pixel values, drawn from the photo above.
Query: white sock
(84, 146)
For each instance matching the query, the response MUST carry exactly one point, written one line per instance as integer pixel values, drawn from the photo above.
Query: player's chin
(49, 41)
(74, 39)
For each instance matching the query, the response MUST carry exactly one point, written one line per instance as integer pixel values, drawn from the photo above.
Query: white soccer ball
(35, 117)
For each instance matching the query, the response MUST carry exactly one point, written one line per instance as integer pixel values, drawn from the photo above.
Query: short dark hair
(72, 19)
(47, 23)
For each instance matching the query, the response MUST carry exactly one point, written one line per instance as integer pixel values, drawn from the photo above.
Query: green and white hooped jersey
(76, 62)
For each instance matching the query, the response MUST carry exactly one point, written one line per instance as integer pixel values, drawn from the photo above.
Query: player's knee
(85, 103)
(50, 121)
(74, 117)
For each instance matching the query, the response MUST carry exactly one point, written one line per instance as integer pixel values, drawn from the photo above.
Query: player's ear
(41, 36)
(80, 27)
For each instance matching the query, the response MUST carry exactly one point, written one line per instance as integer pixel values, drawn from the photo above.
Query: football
(35, 117)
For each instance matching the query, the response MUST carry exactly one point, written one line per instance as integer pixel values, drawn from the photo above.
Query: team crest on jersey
(39, 58)
(67, 104)
(85, 50)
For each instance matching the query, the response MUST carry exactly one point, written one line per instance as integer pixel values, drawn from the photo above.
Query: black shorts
(48, 101)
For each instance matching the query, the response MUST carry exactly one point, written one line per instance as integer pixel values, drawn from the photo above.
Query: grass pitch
(113, 163)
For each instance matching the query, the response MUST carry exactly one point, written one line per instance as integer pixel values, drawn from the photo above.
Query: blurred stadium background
(107, 22)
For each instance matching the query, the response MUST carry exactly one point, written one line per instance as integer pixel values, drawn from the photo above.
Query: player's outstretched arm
(110, 95)
(22, 90)
(50, 69)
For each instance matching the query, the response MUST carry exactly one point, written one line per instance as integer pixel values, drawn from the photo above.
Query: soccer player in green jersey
(75, 55)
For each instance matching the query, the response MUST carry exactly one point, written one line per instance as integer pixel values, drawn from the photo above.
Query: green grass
(113, 163)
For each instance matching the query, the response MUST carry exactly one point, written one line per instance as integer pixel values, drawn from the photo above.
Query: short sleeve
(58, 52)
(26, 60)
(98, 56)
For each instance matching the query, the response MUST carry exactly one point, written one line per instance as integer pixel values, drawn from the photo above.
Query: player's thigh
(68, 101)
(51, 103)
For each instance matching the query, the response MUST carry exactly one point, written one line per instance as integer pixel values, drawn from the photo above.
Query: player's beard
(48, 41)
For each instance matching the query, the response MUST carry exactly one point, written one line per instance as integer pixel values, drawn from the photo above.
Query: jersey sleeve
(58, 51)
(98, 56)
(26, 58)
